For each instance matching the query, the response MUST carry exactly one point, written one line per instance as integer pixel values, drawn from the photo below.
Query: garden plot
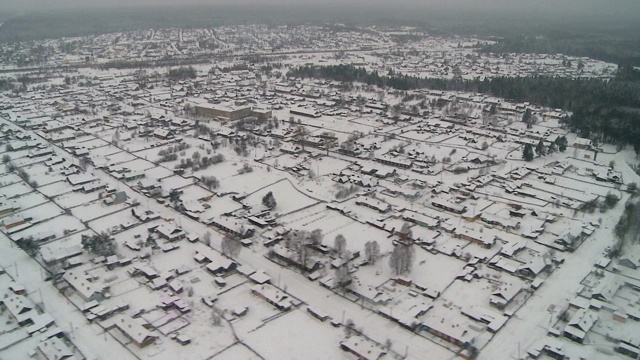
(143, 143)
(7, 179)
(175, 182)
(95, 209)
(283, 161)
(55, 189)
(105, 151)
(27, 162)
(92, 143)
(41, 212)
(112, 220)
(118, 158)
(298, 335)
(30, 200)
(193, 193)
(72, 199)
(231, 181)
(43, 176)
(157, 173)
(291, 199)
(50, 250)
(138, 165)
(16, 189)
(240, 297)
(55, 227)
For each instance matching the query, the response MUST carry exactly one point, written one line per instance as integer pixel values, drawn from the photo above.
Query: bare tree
(401, 259)
(315, 237)
(372, 251)
(83, 163)
(231, 247)
(216, 319)
(299, 242)
(206, 238)
(340, 245)
(406, 231)
(342, 276)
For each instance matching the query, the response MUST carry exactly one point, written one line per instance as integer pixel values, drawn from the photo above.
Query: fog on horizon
(591, 7)
(561, 15)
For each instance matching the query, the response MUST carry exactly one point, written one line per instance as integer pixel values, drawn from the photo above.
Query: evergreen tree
(269, 201)
(528, 119)
(527, 152)
(541, 150)
(562, 143)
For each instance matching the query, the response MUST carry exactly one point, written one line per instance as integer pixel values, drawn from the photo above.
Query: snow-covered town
(209, 209)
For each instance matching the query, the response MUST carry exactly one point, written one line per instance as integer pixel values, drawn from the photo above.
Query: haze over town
(325, 180)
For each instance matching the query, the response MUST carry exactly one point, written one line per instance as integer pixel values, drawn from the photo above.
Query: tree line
(603, 110)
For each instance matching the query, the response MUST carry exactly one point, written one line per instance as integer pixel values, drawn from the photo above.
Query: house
(221, 265)
(115, 198)
(289, 148)
(144, 215)
(502, 297)
(170, 232)
(7, 206)
(55, 348)
(362, 348)
(449, 206)
(582, 143)
(80, 179)
(305, 112)
(505, 223)
(371, 203)
(274, 296)
(231, 226)
(148, 185)
(579, 325)
(448, 328)
(480, 238)
(395, 162)
(19, 307)
(293, 259)
(534, 267)
(631, 258)
(52, 255)
(87, 290)
(163, 134)
(134, 330)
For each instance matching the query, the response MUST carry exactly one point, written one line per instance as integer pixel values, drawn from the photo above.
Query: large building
(229, 111)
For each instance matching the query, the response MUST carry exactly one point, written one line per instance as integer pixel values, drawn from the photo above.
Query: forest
(602, 110)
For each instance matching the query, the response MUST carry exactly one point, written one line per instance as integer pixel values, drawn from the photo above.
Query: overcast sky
(606, 8)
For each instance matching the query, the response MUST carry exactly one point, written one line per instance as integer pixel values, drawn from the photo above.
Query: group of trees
(608, 109)
(401, 258)
(246, 168)
(182, 73)
(230, 246)
(345, 191)
(171, 152)
(11, 167)
(299, 242)
(29, 246)
(99, 244)
(269, 201)
(541, 149)
(628, 227)
(210, 182)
